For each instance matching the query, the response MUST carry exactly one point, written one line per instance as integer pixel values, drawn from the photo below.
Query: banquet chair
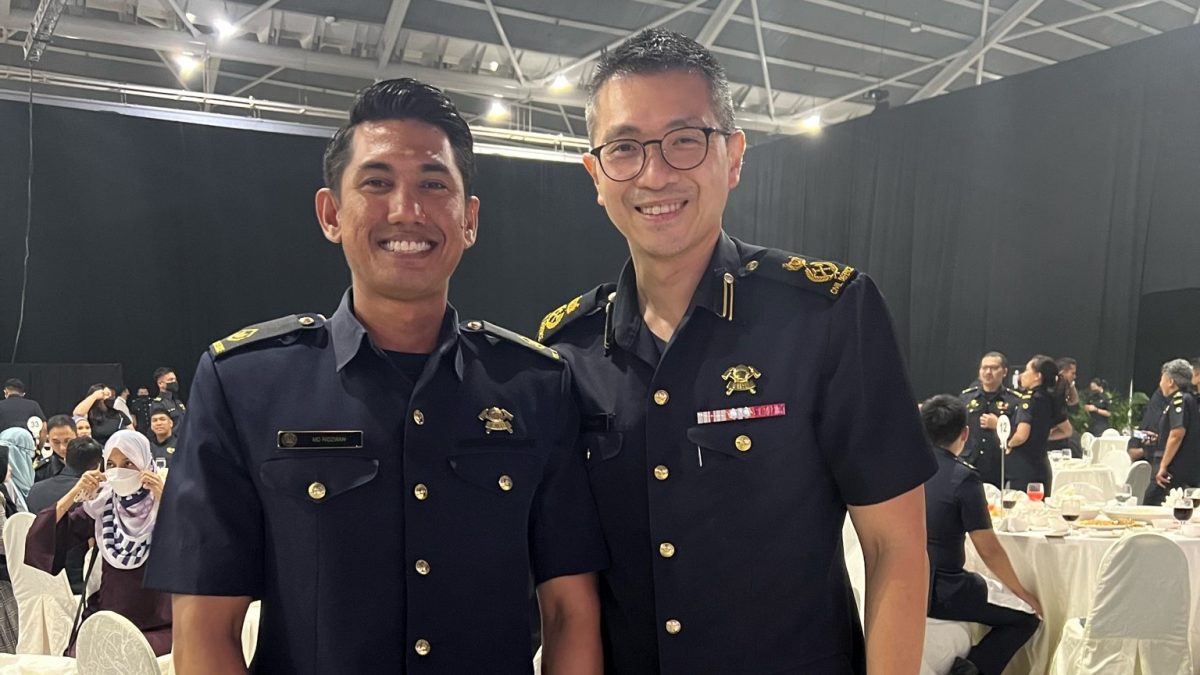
(1118, 460)
(1110, 433)
(109, 644)
(944, 640)
(1086, 439)
(45, 604)
(1139, 478)
(1139, 616)
(1086, 490)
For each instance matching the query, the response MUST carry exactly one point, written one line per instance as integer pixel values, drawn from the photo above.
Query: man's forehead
(621, 106)
(399, 139)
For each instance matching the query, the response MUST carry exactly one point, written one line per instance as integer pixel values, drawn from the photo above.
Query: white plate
(1145, 513)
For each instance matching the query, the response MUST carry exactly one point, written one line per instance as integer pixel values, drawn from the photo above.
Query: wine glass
(1008, 498)
(1124, 495)
(1183, 510)
(1071, 508)
(1035, 491)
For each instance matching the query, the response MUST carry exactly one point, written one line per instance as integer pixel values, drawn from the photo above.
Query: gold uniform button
(307, 321)
(661, 472)
(505, 483)
(422, 567)
(742, 443)
(422, 647)
(420, 492)
(666, 549)
(673, 626)
(612, 297)
(661, 397)
(316, 491)
(474, 325)
(418, 417)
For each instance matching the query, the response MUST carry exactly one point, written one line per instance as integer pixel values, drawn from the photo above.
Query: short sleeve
(867, 423)
(1025, 411)
(1176, 415)
(565, 535)
(209, 536)
(972, 503)
(1102, 403)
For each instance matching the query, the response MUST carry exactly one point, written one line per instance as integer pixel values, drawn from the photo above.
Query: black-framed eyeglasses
(682, 149)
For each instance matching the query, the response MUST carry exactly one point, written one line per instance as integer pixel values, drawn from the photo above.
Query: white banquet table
(1098, 475)
(1063, 573)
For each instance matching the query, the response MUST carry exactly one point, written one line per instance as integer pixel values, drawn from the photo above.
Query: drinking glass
(1124, 495)
(1035, 491)
(1071, 508)
(1183, 510)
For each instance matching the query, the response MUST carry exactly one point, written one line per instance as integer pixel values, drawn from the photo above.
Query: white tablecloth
(1099, 475)
(1062, 573)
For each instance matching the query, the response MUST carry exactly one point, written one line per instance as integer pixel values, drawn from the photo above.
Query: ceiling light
(493, 66)
(560, 83)
(224, 28)
(916, 27)
(811, 124)
(187, 63)
(191, 17)
(497, 111)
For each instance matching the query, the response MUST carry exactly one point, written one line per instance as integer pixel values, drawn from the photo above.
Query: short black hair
(159, 410)
(57, 421)
(944, 417)
(402, 99)
(84, 454)
(160, 371)
(1065, 362)
(999, 355)
(1099, 381)
(14, 384)
(657, 50)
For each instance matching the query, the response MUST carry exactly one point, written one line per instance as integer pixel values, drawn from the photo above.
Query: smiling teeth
(406, 246)
(659, 209)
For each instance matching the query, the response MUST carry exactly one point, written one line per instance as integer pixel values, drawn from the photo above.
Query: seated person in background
(60, 430)
(20, 460)
(98, 407)
(954, 507)
(162, 434)
(83, 455)
(15, 409)
(119, 510)
(1097, 407)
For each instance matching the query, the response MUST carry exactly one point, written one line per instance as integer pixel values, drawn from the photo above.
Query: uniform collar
(710, 293)
(349, 335)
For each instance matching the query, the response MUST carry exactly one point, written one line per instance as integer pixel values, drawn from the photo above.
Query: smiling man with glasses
(736, 401)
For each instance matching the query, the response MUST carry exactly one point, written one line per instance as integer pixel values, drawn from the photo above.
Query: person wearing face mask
(119, 509)
(168, 394)
(8, 603)
(20, 454)
(104, 419)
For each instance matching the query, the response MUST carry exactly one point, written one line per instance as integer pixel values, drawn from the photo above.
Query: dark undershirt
(409, 365)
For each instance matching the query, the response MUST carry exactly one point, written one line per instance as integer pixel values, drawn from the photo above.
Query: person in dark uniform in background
(1037, 423)
(82, 455)
(60, 430)
(140, 407)
(15, 409)
(986, 403)
(955, 506)
(163, 441)
(1098, 403)
(1178, 435)
(736, 400)
(388, 480)
(168, 394)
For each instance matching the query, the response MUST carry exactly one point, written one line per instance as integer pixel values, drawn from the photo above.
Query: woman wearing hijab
(102, 417)
(20, 459)
(119, 508)
(8, 603)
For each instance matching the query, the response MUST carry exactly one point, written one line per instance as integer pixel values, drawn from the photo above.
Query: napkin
(998, 594)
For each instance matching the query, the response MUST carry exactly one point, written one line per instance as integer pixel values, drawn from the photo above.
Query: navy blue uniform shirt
(983, 445)
(954, 505)
(1028, 462)
(725, 530)
(388, 526)
(1181, 413)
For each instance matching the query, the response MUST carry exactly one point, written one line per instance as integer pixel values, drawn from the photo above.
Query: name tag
(743, 413)
(318, 440)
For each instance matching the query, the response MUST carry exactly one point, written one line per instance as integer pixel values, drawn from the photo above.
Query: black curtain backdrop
(1027, 215)
(150, 239)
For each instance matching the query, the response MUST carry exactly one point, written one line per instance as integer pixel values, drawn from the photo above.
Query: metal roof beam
(257, 81)
(1080, 19)
(391, 31)
(512, 56)
(173, 5)
(716, 22)
(240, 24)
(1003, 26)
(762, 59)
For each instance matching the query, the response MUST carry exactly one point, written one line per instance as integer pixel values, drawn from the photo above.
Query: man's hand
(988, 421)
(1090, 408)
(1163, 478)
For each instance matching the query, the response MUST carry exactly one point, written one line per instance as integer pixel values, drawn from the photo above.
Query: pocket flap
(602, 445)
(499, 471)
(317, 479)
(733, 439)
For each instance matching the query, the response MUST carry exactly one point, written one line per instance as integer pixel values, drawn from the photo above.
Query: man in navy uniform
(168, 395)
(735, 400)
(955, 506)
(386, 481)
(987, 401)
(1178, 435)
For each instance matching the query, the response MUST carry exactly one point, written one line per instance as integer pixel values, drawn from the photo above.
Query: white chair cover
(1086, 490)
(1118, 460)
(109, 644)
(250, 630)
(45, 605)
(1086, 439)
(1110, 433)
(944, 640)
(1139, 479)
(1139, 616)
(993, 494)
(92, 583)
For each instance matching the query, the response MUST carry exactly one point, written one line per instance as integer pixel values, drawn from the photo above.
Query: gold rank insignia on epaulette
(265, 331)
(822, 276)
(497, 331)
(969, 390)
(581, 305)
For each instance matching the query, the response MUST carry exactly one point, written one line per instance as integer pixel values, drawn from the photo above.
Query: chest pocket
(741, 440)
(599, 446)
(500, 466)
(317, 480)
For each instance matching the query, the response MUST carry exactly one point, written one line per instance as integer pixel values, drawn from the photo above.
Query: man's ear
(736, 146)
(327, 215)
(593, 168)
(471, 226)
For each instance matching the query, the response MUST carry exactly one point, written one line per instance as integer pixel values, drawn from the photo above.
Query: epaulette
(511, 336)
(820, 276)
(969, 390)
(1022, 394)
(1177, 397)
(967, 464)
(265, 331)
(578, 306)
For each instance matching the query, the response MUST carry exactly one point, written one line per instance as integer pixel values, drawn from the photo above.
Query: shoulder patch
(264, 331)
(969, 390)
(820, 276)
(578, 306)
(506, 334)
